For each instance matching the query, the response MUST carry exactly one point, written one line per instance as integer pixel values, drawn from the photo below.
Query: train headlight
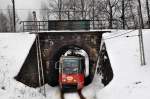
(74, 80)
(64, 80)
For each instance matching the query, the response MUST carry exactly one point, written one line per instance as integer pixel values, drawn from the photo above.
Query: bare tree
(60, 8)
(110, 5)
(148, 14)
(10, 18)
(6, 20)
(3, 23)
(56, 8)
(128, 13)
(132, 14)
(82, 8)
(107, 13)
(110, 14)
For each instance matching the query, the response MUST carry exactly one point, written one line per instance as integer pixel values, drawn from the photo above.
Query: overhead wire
(131, 36)
(23, 9)
(111, 37)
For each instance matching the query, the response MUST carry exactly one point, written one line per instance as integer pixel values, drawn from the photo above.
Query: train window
(71, 63)
(71, 66)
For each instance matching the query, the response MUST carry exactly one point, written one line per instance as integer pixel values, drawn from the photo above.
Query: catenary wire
(111, 37)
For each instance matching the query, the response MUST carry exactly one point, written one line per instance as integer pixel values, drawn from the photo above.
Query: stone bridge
(54, 44)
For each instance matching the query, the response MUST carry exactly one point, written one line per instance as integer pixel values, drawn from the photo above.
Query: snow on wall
(14, 48)
(131, 80)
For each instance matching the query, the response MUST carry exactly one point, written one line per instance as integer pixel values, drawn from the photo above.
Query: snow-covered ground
(130, 80)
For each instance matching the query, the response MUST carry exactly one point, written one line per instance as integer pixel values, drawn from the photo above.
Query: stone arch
(53, 73)
(53, 43)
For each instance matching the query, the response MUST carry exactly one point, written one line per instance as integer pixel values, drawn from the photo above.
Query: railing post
(23, 26)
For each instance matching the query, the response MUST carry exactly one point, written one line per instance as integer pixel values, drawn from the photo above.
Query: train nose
(69, 78)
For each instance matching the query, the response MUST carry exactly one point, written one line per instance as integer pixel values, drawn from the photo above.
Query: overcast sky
(22, 5)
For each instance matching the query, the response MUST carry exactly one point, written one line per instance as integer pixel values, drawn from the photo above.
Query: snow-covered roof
(71, 31)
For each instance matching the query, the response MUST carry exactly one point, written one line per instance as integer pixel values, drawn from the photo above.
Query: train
(71, 73)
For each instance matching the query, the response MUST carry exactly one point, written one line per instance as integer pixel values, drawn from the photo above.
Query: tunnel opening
(54, 73)
(104, 68)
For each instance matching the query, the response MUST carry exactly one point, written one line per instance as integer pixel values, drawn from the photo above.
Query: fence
(44, 25)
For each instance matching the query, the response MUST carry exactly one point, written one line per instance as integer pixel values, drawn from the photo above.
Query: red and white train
(71, 72)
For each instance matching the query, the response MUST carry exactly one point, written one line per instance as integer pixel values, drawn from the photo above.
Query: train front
(71, 73)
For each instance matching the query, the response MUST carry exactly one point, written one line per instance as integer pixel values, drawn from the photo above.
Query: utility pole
(14, 15)
(141, 45)
(140, 14)
(123, 15)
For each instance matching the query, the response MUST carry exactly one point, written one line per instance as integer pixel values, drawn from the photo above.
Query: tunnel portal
(53, 44)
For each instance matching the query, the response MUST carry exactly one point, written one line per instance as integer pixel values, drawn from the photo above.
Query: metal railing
(29, 26)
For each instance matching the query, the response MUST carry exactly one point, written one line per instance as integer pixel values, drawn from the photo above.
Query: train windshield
(71, 66)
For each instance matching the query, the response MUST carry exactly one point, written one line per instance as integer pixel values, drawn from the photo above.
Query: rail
(78, 92)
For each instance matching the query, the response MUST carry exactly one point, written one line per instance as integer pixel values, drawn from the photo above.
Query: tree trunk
(74, 9)
(133, 15)
(140, 12)
(60, 6)
(123, 15)
(148, 14)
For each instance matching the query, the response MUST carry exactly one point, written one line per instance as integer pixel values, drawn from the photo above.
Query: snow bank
(131, 80)
(14, 48)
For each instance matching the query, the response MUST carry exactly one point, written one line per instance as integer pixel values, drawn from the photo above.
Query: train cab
(71, 72)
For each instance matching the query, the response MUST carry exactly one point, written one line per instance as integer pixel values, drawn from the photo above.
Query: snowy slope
(131, 80)
(14, 48)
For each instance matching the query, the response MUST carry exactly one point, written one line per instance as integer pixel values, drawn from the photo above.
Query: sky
(22, 6)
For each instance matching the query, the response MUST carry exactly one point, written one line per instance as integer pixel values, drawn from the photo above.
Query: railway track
(78, 92)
